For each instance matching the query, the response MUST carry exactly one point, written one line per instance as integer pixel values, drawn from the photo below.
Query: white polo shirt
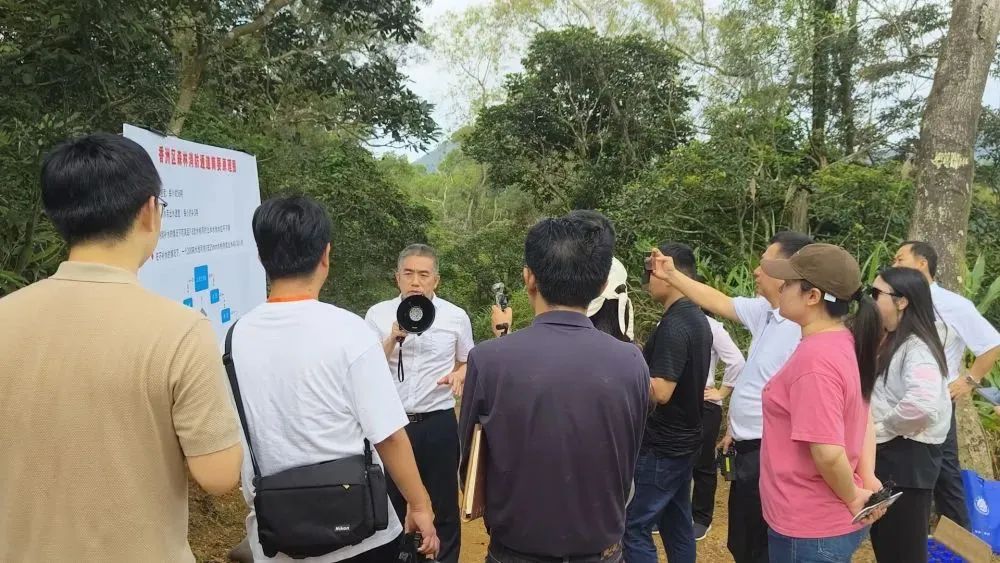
(774, 340)
(723, 348)
(426, 357)
(967, 328)
(315, 383)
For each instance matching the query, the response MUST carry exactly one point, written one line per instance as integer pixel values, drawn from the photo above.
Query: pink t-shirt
(815, 399)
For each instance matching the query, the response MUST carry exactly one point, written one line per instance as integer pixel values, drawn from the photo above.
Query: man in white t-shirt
(315, 382)
(774, 340)
(432, 372)
(967, 329)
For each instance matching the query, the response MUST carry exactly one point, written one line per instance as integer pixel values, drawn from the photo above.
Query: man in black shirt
(678, 354)
(562, 405)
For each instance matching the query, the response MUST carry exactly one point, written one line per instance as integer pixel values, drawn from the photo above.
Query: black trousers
(747, 528)
(949, 493)
(435, 446)
(901, 535)
(705, 469)
(382, 554)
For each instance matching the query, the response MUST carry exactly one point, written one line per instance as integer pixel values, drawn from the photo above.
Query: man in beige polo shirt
(106, 389)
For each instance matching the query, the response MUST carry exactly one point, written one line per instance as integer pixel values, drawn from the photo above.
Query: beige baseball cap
(826, 266)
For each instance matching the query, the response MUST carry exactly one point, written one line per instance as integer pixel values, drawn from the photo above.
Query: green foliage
(859, 207)
(585, 117)
(975, 285)
(298, 91)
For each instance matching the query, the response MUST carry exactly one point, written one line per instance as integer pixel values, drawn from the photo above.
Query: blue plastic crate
(939, 553)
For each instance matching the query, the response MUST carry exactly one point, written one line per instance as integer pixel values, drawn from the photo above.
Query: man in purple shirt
(563, 407)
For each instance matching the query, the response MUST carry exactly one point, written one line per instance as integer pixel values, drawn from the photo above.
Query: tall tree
(588, 114)
(325, 48)
(945, 164)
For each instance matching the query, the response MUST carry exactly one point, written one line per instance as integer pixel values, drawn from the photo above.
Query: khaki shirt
(105, 387)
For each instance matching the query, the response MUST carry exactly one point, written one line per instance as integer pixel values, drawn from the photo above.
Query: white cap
(617, 278)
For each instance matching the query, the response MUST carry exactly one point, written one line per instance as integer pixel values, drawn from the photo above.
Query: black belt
(422, 416)
(746, 446)
(499, 549)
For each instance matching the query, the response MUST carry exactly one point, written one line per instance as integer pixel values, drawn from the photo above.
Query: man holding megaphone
(427, 342)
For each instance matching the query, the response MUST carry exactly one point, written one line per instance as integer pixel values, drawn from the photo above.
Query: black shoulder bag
(314, 509)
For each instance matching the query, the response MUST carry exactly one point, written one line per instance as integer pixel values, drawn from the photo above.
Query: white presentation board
(206, 257)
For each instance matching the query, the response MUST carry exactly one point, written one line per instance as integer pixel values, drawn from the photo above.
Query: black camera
(410, 549)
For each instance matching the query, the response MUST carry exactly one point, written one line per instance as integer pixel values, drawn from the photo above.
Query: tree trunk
(193, 61)
(823, 12)
(195, 52)
(847, 53)
(822, 28)
(800, 210)
(191, 72)
(944, 169)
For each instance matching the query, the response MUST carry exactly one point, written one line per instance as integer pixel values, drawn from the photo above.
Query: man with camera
(427, 369)
(313, 386)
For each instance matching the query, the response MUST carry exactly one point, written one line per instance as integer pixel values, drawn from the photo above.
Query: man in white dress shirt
(966, 329)
(705, 469)
(433, 372)
(774, 340)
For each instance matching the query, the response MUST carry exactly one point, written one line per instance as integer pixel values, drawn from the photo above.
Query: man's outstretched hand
(456, 379)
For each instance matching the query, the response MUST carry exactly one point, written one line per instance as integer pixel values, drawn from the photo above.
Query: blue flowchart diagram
(204, 296)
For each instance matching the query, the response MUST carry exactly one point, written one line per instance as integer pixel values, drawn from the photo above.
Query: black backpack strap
(368, 453)
(227, 360)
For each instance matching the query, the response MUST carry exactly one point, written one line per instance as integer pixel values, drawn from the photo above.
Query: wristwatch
(969, 379)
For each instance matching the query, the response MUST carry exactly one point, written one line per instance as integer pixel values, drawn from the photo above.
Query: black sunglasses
(875, 292)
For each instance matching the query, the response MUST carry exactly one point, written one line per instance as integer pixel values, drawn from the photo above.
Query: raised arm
(705, 296)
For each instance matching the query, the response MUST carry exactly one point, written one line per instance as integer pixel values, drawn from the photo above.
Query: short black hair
(570, 257)
(93, 187)
(791, 242)
(924, 250)
(683, 256)
(291, 233)
(596, 220)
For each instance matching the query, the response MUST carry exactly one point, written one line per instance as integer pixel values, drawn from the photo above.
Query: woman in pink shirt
(818, 446)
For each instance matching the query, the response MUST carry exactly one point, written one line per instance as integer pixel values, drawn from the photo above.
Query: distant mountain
(433, 159)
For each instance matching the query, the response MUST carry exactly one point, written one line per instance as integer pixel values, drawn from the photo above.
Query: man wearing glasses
(109, 393)
(434, 371)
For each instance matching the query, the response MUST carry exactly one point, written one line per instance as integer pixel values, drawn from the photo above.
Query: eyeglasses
(875, 292)
(162, 202)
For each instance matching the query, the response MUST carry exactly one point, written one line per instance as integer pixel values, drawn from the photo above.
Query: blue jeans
(838, 549)
(662, 498)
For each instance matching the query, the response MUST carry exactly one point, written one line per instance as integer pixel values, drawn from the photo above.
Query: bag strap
(227, 360)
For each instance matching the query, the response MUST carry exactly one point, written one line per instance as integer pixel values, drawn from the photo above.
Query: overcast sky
(430, 77)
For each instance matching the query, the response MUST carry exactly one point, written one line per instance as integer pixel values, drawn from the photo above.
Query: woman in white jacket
(911, 410)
